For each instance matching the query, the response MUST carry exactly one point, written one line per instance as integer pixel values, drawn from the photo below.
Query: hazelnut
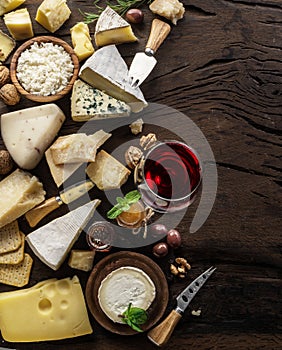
(9, 94)
(133, 156)
(135, 16)
(6, 162)
(147, 141)
(4, 75)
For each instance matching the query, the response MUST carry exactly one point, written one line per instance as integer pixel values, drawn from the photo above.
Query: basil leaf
(136, 328)
(123, 204)
(133, 196)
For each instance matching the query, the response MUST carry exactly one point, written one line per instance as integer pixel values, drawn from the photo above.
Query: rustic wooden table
(221, 67)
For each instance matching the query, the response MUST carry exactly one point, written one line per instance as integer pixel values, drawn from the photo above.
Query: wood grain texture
(221, 66)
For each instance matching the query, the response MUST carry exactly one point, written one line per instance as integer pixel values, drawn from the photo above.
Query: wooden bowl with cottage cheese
(44, 69)
(115, 278)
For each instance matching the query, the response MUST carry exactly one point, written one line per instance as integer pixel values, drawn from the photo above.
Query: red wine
(172, 170)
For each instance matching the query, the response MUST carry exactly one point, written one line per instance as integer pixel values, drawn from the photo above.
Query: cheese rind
(111, 28)
(123, 286)
(7, 45)
(27, 133)
(19, 24)
(52, 14)
(50, 310)
(20, 192)
(88, 103)
(52, 242)
(9, 5)
(81, 41)
(107, 71)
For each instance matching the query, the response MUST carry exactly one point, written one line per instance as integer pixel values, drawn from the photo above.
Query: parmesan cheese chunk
(9, 5)
(170, 9)
(19, 24)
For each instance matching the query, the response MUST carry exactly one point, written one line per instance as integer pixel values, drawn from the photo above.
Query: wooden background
(221, 66)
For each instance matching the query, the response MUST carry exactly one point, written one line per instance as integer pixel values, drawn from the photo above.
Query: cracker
(10, 238)
(16, 275)
(16, 256)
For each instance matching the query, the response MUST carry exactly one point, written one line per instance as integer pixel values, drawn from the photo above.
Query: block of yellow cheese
(50, 310)
(52, 14)
(111, 28)
(81, 41)
(19, 24)
(7, 45)
(27, 133)
(9, 5)
(20, 192)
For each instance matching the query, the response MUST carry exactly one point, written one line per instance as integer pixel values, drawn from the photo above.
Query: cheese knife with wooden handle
(66, 196)
(161, 333)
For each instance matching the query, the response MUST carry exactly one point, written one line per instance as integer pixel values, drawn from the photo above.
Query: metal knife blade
(144, 62)
(66, 196)
(161, 333)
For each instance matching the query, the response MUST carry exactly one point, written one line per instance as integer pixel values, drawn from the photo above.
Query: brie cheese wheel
(124, 286)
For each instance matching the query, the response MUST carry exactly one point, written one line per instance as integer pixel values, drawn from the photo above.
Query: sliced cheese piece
(123, 286)
(107, 172)
(7, 45)
(52, 242)
(47, 311)
(9, 5)
(60, 172)
(20, 192)
(88, 103)
(27, 133)
(77, 148)
(81, 41)
(81, 259)
(111, 28)
(52, 14)
(19, 24)
(107, 71)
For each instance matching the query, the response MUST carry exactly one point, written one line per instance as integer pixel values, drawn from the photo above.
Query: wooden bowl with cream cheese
(45, 71)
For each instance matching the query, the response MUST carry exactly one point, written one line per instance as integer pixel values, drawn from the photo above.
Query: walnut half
(133, 156)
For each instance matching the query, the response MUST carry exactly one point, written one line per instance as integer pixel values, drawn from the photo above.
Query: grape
(158, 230)
(173, 238)
(160, 249)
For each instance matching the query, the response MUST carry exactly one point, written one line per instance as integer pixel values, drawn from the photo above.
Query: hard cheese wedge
(27, 133)
(9, 5)
(19, 24)
(81, 41)
(52, 14)
(88, 103)
(20, 192)
(52, 242)
(50, 310)
(111, 28)
(107, 71)
(7, 45)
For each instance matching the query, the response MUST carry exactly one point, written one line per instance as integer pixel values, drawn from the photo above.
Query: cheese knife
(66, 196)
(144, 62)
(161, 333)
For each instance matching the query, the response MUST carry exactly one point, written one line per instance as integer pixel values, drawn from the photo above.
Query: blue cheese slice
(52, 242)
(107, 71)
(124, 286)
(88, 103)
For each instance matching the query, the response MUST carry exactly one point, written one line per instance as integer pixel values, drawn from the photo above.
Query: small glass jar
(100, 235)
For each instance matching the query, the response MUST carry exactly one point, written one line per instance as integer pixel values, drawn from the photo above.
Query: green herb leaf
(134, 316)
(123, 204)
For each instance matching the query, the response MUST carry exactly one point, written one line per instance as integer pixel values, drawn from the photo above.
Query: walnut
(147, 141)
(181, 268)
(136, 127)
(183, 262)
(6, 162)
(173, 270)
(133, 156)
(9, 94)
(4, 75)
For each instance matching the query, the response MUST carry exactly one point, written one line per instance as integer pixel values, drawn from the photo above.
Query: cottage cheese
(44, 69)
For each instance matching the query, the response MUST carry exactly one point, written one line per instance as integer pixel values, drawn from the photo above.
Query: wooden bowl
(26, 45)
(113, 262)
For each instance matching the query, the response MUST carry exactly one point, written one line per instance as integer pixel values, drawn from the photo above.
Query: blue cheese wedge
(52, 242)
(107, 71)
(124, 286)
(88, 103)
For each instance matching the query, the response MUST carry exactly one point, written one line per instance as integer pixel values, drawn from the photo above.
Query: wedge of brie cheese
(111, 28)
(107, 71)
(124, 286)
(52, 242)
